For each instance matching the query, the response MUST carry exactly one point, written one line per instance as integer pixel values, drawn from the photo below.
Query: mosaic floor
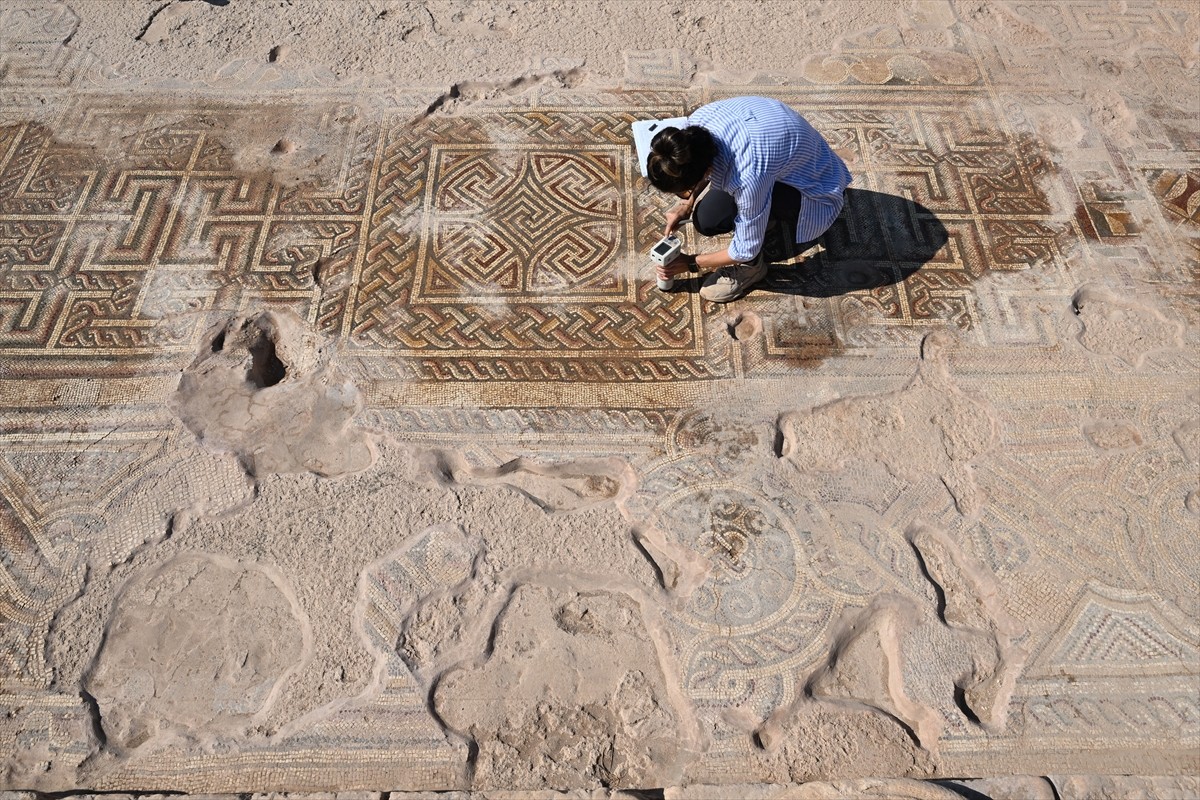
(479, 277)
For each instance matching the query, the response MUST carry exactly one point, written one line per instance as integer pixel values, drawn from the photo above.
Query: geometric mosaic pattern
(484, 272)
(506, 221)
(523, 264)
(579, 293)
(1103, 637)
(546, 330)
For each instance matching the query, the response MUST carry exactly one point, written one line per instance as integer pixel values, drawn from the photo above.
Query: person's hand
(676, 215)
(680, 264)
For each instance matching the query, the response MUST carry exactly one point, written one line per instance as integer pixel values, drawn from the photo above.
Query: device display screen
(662, 249)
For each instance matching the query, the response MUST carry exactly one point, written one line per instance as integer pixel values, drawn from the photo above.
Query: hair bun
(679, 157)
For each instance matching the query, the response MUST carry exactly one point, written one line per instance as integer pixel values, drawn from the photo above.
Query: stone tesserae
(348, 443)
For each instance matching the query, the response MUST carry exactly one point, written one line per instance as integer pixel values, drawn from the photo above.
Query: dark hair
(679, 157)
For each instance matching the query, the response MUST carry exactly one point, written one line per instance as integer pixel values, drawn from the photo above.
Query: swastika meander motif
(501, 245)
(507, 221)
(482, 270)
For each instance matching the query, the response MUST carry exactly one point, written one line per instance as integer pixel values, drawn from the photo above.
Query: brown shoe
(730, 283)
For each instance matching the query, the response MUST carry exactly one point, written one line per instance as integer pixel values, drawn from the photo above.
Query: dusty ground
(346, 444)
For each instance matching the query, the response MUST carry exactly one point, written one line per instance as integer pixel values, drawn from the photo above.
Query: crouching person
(743, 165)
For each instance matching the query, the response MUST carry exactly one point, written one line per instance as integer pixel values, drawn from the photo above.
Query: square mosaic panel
(500, 252)
(503, 222)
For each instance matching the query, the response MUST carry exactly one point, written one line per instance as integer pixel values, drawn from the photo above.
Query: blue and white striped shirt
(761, 141)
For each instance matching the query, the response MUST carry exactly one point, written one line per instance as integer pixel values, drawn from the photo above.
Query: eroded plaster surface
(346, 441)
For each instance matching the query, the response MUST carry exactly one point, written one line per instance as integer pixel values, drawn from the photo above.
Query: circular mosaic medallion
(755, 552)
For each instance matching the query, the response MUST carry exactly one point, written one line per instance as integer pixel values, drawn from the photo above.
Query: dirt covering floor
(347, 444)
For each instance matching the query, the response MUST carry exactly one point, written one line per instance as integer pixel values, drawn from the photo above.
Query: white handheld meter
(666, 251)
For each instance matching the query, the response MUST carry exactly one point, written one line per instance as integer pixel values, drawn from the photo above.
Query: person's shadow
(879, 239)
